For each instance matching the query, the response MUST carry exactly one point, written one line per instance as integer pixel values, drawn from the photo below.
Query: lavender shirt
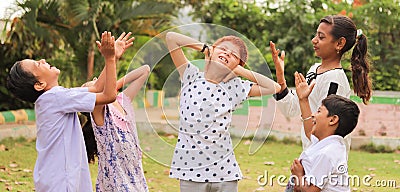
(62, 163)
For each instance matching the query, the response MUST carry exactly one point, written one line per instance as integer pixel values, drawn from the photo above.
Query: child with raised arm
(61, 163)
(323, 165)
(117, 143)
(335, 35)
(203, 158)
(114, 129)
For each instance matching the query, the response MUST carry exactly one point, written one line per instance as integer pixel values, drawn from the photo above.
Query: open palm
(303, 90)
(123, 43)
(278, 61)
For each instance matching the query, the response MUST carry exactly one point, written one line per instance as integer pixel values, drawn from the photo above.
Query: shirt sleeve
(75, 100)
(240, 91)
(190, 73)
(289, 104)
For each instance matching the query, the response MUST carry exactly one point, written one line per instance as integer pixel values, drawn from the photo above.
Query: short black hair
(21, 83)
(347, 111)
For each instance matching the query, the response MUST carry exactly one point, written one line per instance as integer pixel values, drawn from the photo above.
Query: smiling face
(322, 123)
(46, 74)
(324, 43)
(226, 53)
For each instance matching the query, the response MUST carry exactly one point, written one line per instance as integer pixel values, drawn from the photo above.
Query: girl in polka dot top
(203, 158)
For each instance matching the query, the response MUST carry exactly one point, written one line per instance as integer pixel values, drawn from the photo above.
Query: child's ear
(39, 86)
(334, 120)
(341, 43)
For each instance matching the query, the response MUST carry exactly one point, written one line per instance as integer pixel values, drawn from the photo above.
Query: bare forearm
(99, 84)
(255, 77)
(304, 186)
(109, 92)
(176, 40)
(133, 75)
(280, 79)
(306, 116)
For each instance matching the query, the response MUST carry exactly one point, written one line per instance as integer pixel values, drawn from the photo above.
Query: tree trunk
(90, 59)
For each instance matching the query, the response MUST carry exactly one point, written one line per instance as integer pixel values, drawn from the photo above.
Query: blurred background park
(64, 32)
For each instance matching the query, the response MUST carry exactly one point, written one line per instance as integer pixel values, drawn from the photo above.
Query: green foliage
(11, 143)
(372, 148)
(64, 33)
(289, 140)
(22, 43)
(380, 21)
(291, 25)
(246, 18)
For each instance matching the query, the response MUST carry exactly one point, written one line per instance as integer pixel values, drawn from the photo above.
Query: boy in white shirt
(323, 166)
(61, 163)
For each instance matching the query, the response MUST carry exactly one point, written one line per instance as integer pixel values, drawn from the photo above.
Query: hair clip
(359, 33)
(204, 48)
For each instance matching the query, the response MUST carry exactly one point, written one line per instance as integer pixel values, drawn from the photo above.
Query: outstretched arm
(107, 49)
(279, 66)
(135, 79)
(121, 45)
(175, 42)
(263, 86)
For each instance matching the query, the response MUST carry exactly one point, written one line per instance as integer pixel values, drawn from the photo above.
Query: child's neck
(328, 132)
(328, 64)
(50, 86)
(212, 77)
(216, 72)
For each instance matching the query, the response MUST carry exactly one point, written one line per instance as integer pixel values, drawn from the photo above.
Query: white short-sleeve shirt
(204, 150)
(62, 163)
(325, 164)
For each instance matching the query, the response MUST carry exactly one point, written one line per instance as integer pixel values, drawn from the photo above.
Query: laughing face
(226, 53)
(224, 58)
(321, 121)
(43, 71)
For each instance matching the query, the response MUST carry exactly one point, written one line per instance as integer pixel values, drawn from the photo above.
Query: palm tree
(75, 25)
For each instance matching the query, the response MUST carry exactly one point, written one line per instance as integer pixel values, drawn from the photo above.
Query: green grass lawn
(17, 159)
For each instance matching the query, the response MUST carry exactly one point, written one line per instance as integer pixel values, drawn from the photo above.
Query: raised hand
(122, 44)
(302, 88)
(279, 65)
(106, 46)
(278, 61)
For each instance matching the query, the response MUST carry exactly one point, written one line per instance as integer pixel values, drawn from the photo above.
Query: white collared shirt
(325, 163)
